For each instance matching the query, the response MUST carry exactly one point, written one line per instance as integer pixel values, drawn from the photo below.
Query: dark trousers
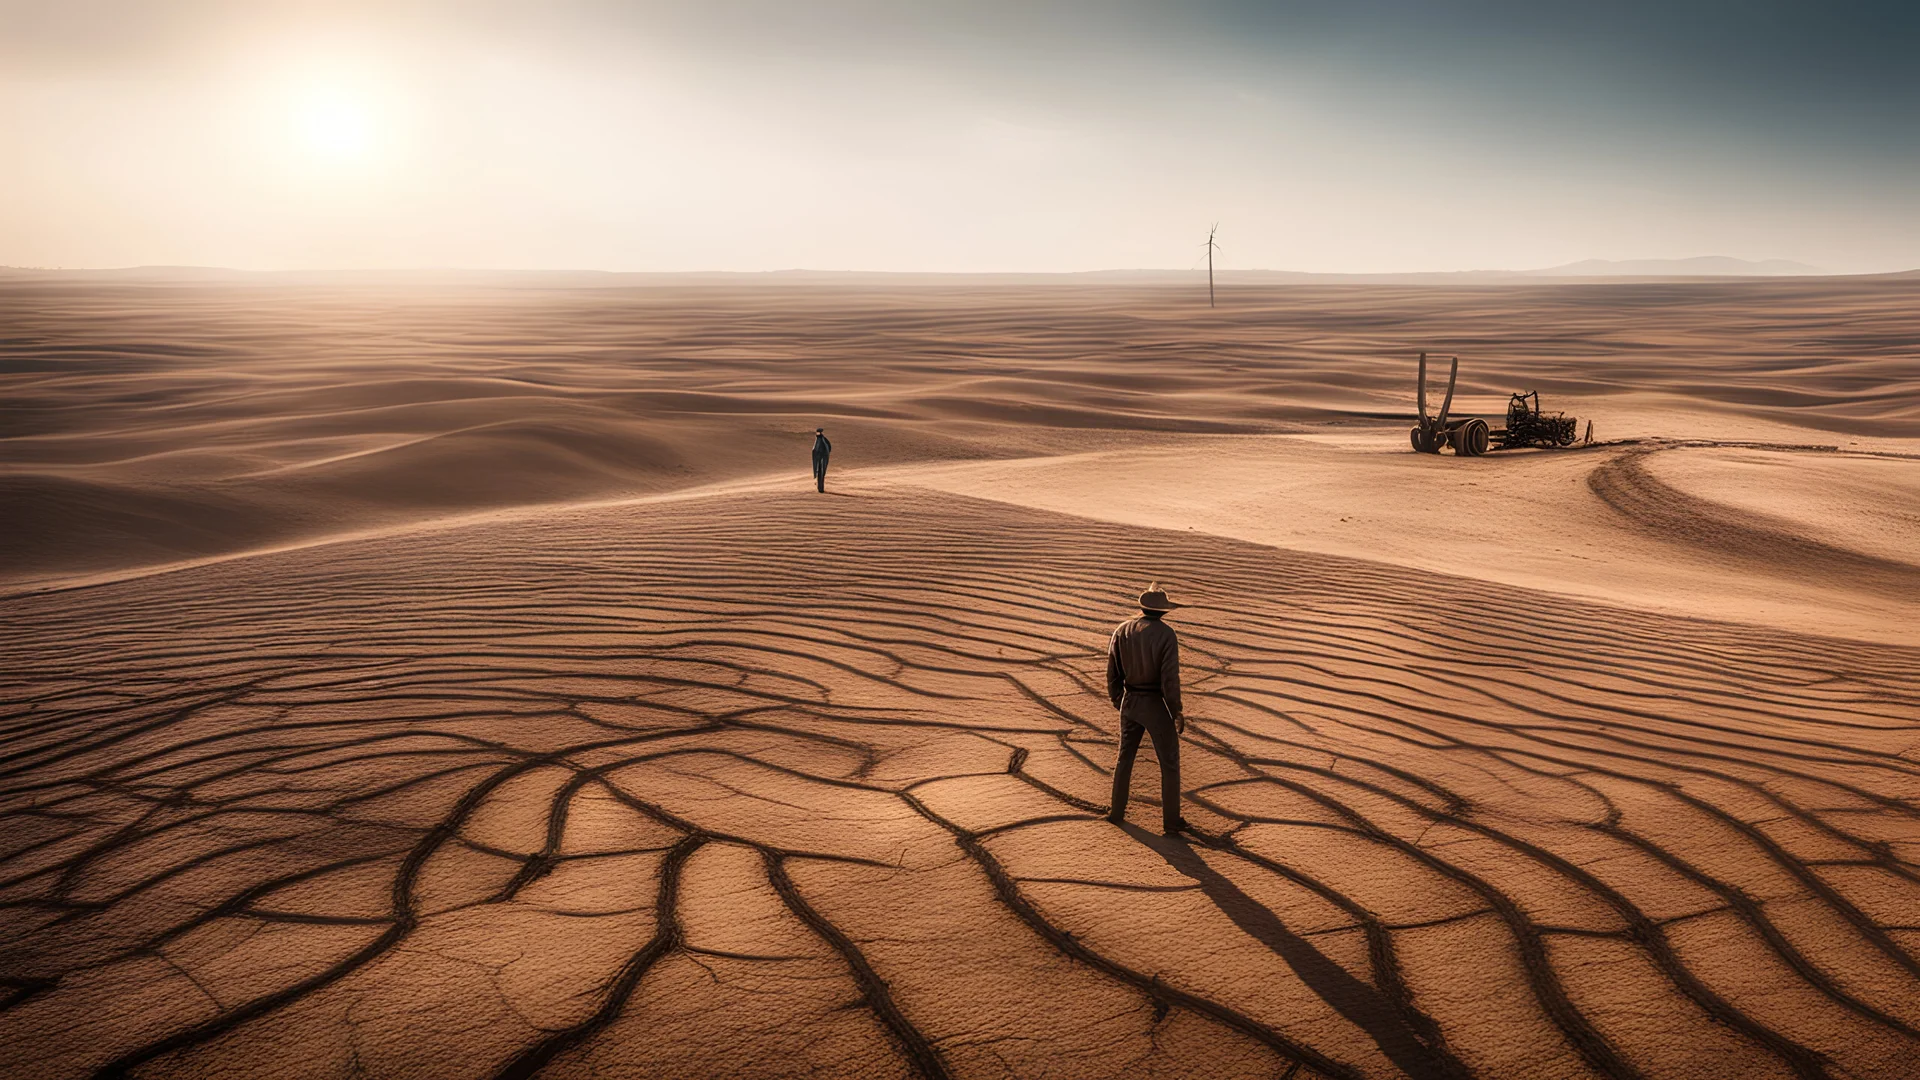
(1146, 714)
(820, 472)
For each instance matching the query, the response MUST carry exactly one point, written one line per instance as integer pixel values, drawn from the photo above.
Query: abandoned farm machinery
(1527, 424)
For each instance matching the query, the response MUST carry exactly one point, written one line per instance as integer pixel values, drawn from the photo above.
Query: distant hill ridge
(1699, 266)
(1705, 266)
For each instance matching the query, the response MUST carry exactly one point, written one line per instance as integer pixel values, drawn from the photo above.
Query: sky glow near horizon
(1349, 136)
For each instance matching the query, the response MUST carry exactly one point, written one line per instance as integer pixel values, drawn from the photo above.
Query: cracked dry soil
(773, 785)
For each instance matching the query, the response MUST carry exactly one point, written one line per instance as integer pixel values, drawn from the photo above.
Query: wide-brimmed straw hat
(1155, 599)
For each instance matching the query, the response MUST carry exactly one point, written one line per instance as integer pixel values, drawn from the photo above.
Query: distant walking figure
(821, 448)
(1143, 679)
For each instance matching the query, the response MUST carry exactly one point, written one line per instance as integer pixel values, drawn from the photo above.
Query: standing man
(821, 448)
(1143, 679)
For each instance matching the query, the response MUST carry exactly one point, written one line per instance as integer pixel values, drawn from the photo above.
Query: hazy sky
(1330, 135)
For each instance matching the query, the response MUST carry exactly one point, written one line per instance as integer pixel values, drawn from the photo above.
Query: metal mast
(1211, 247)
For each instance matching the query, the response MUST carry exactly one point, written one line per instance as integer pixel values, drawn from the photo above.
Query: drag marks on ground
(785, 785)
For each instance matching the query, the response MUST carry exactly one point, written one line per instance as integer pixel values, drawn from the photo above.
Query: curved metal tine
(1448, 403)
(1423, 390)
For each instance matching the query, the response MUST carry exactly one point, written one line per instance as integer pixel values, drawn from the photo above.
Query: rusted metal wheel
(1471, 438)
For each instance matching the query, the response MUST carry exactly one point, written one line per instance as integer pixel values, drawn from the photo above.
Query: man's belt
(1154, 689)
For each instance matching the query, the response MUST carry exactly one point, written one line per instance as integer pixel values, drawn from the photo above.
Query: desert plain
(458, 676)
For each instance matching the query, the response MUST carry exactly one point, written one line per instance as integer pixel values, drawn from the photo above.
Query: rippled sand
(465, 682)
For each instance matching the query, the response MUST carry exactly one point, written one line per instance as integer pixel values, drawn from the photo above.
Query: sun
(336, 124)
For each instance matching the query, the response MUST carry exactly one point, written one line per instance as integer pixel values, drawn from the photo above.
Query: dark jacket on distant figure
(821, 448)
(1145, 656)
(1143, 679)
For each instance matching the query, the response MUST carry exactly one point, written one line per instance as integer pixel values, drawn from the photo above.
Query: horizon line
(1650, 268)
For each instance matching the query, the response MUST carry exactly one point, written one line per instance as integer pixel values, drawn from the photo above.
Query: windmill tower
(1211, 248)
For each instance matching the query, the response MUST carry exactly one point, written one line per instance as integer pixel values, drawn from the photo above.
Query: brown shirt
(1145, 656)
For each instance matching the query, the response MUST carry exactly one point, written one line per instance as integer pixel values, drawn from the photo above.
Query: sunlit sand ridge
(554, 727)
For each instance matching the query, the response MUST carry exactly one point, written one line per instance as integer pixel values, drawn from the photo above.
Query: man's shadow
(1363, 1005)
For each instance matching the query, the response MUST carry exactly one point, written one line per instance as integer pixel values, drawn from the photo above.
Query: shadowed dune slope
(147, 423)
(777, 784)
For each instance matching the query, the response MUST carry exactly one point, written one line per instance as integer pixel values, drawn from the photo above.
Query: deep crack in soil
(779, 785)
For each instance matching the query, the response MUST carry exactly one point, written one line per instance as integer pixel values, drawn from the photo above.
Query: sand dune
(1593, 522)
(508, 705)
(1861, 504)
(330, 409)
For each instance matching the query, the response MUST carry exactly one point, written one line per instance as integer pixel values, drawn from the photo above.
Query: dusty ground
(465, 683)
